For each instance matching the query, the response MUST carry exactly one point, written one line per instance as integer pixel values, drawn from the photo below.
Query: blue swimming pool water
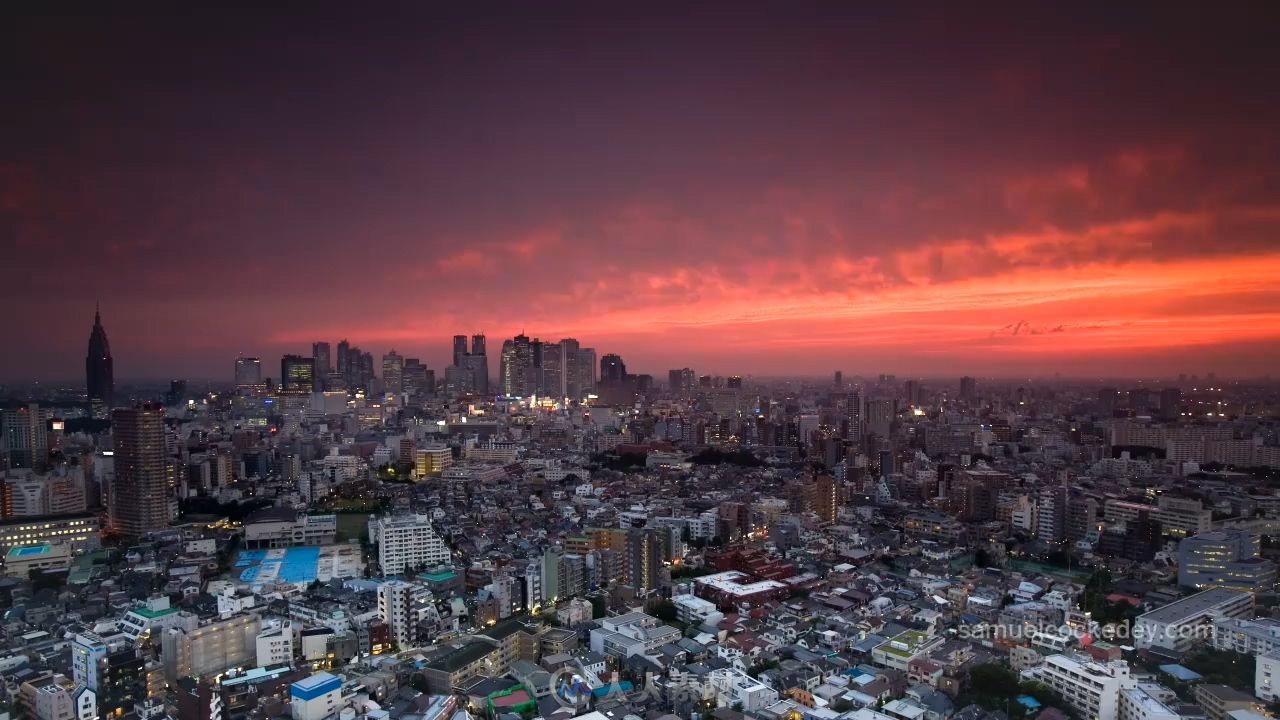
(28, 551)
(297, 566)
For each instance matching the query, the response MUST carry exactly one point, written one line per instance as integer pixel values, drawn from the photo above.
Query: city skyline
(923, 191)
(494, 365)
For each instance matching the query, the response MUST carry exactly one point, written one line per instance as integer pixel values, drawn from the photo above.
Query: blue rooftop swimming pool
(28, 551)
(291, 565)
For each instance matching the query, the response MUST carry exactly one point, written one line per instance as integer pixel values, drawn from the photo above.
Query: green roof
(913, 639)
(439, 577)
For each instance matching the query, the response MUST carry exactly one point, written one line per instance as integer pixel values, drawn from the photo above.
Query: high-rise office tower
(839, 382)
(682, 382)
(248, 375)
(506, 366)
(469, 374)
(98, 368)
(140, 497)
(535, 366)
(366, 371)
(324, 365)
(459, 349)
(477, 372)
(519, 374)
(297, 375)
(552, 376)
(587, 370)
(734, 382)
(344, 357)
(393, 372)
(911, 389)
(570, 362)
(612, 369)
(415, 378)
(879, 417)
(968, 389)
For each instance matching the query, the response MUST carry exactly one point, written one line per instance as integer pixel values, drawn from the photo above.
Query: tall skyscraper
(344, 359)
(140, 497)
(98, 368)
(459, 349)
(248, 375)
(469, 374)
(968, 389)
(571, 369)
(365, 366)
(477, 367)
(839, 381)
(612, 369)
(297, 375)
(518, 369)
(587, 370)
(393, 372)
(911, 389)
(324, 364)
(418, 380)
(552, 381)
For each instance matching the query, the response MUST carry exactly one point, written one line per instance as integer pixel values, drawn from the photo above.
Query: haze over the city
(934, 190)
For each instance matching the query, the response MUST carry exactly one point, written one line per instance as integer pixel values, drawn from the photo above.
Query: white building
(1146, 702)
(87, 651)
(407, 541)
(318, 697)
(1179, 624)
(499, 451)
(275, 644)
(1266, 677)
(631, 634)
(1093, 689)
(152, 620)
(1251, 637)
(735, 688)
(20, 561)
(284, 527)
(693, 610)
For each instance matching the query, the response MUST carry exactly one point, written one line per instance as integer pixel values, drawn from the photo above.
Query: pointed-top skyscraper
(99, 378)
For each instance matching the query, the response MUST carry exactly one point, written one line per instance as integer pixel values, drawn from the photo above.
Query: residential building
(1092, 689)
(407, 541)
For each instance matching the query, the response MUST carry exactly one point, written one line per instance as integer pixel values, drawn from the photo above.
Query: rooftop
(1193, 606)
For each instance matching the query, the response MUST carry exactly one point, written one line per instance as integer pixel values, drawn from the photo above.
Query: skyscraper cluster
(354, 370)
(556, 369)
(469, 373)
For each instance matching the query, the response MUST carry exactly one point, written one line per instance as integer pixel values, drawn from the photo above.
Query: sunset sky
(939, 189)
